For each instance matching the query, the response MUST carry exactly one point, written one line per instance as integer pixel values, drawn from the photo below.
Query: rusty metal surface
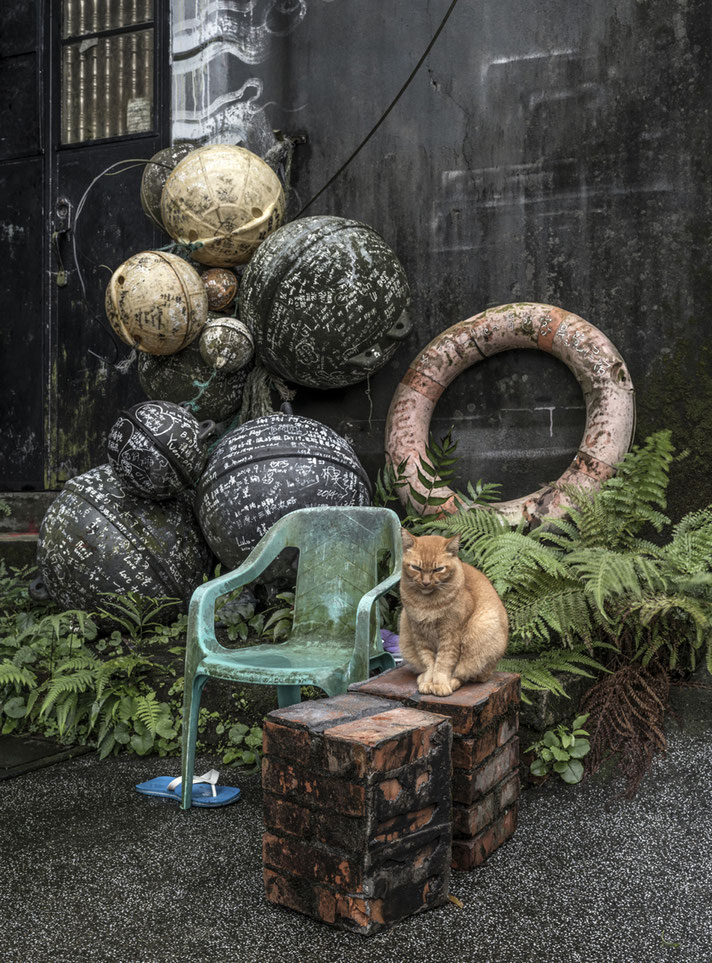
(598, 366)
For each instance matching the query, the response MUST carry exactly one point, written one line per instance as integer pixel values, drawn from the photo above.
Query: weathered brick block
(471, 708)
(357, 810)
(469, 853)
(485, 753)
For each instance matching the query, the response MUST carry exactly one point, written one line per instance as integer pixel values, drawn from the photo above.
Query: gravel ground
(93, 871)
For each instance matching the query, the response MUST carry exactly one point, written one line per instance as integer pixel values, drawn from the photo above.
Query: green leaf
(551, 739)
(15, 708)
(573, 772)
(538, 768)
(559, 754)
(579, 721)
(580, 749)
(142, 744)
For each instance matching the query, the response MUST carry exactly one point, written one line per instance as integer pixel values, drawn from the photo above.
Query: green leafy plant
(435, 471)
(561, 750)
(243, 744)
(604, 583)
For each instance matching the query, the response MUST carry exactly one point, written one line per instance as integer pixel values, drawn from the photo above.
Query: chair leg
(381, 662)
(193, 688)
(288, 695)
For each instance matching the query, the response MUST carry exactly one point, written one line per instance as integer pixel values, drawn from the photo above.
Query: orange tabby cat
(453, 626)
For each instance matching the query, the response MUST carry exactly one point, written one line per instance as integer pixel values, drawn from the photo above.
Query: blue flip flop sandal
(205, 791)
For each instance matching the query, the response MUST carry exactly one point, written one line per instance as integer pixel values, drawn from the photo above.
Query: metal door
(95, 74)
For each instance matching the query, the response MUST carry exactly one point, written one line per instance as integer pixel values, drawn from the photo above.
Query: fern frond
(148, 710)
(609, 574)
(78, 682)
(17, 675)
(538, 673)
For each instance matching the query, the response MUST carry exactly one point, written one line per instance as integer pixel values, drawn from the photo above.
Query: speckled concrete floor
(92, 871)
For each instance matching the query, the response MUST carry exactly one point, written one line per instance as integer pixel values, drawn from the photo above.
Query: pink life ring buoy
(599, 368)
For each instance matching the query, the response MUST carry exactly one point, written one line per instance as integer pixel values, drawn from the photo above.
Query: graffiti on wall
(218, 47)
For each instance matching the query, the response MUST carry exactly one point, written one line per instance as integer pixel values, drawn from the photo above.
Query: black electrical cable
(390, 107)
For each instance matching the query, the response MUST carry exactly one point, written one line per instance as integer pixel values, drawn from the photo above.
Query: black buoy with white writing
(326, 299)
(157, 449)
(268, 467)
(97, 538)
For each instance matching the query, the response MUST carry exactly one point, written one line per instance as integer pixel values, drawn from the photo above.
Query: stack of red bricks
(485, 755)
(357, 810)
(370, 796)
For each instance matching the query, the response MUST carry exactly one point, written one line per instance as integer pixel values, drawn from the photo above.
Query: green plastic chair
(335, 637)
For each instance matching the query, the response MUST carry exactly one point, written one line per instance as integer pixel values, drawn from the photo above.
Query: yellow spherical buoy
(223, 201)
(156, 302)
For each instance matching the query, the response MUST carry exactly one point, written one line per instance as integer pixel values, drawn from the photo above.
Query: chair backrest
(339, 550)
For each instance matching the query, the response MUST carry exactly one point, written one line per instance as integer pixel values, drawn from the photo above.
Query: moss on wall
(677, 394)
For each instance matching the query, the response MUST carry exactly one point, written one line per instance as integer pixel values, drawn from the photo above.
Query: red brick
(312, 788)
(470, 820)
(471, 708)
(383, 742)
(400, 826)
(470, 785)
(285, 741)
(469, 853)
(323, 714)
(468, 753)
(358, 914)
(309, 860)
(508, 791)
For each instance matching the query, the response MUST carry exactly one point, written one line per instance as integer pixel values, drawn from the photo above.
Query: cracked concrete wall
(552, 151)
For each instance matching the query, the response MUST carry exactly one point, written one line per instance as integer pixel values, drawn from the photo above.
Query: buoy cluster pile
(322, 302)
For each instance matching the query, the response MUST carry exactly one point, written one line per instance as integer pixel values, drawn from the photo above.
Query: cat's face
(429, 562)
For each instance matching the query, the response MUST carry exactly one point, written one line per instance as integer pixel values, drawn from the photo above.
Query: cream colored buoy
(156, 302)
(223, 201)
(226, 343)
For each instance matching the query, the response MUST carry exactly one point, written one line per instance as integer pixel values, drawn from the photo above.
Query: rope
(390, 107)
(257, 393)
(202, 386)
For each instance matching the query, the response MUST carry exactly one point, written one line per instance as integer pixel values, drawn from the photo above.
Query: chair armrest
(363, 614)
(201, 614)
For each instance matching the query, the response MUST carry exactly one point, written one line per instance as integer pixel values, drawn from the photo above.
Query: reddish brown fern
(626, 711)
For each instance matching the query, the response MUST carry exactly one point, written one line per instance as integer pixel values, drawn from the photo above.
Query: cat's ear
(408, 540)
(452, 545)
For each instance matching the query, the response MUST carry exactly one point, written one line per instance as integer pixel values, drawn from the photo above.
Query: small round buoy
(221, 288)
(157, 449)
(326, 300)
(226, 343)
(266, 468)
(156, 302)
(185, 377)
(98, 538)
(223, 201)
(154, 178)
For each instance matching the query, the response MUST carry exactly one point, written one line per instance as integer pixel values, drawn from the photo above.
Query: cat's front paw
(425, 687)
(441, 688)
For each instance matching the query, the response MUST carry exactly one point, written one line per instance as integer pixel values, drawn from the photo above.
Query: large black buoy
(158, 449)
(326, 299)
(185, 377)
(268, 467)
(97, 538)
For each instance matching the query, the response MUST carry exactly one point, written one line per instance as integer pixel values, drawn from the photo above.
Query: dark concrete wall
(551, 151)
